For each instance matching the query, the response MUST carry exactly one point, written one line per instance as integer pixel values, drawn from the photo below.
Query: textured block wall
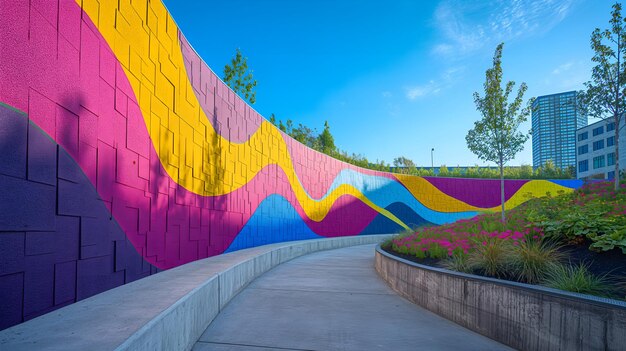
(122, 153)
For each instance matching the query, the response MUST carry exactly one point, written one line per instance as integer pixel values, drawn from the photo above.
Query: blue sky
(394, 78)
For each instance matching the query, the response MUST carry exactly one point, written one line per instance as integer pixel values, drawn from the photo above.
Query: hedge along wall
(122, 154)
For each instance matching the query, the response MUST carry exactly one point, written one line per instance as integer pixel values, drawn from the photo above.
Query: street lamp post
(432, 162)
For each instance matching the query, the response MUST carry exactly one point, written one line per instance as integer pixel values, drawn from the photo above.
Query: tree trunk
(617, 116)
(502, 188)
(617, 169)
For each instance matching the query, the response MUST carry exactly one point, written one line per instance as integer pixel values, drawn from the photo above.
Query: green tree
(239, 78)
(473, 172)
(496, 137)
(548, 170)
(289, 127)
(526, 172)
(570, 172)
(605, 94)
(404, 165)
(380, 166)
(443, 171)
(305, 135)
(456, 172)
(326, 140)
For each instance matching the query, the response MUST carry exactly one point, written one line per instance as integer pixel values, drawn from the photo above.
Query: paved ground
(332, 300)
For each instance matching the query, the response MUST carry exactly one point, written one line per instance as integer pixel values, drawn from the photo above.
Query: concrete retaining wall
(522, 316)
(175, 307)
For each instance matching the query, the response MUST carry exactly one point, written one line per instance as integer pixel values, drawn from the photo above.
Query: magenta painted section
(477, 192)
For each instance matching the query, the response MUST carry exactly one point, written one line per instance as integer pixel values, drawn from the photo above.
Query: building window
(611, 175)
(598, 145)
(610, 126)
(583, 136)
(598, 162)
(610, 159)
(610, 141)
(583, 166)
(583, 149)
(598, 131)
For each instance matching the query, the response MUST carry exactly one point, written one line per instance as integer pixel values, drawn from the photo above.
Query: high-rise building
(555, 119)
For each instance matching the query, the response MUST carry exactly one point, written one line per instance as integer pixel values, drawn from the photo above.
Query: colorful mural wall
(122, 154)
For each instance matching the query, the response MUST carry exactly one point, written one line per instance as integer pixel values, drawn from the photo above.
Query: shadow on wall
(215, 158)
(58, 242)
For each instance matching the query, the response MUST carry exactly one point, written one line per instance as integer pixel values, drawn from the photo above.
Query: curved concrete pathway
(332, 300)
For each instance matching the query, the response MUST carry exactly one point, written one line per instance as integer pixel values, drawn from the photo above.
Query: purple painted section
(476, 192)
(11, 298)
(59, 243)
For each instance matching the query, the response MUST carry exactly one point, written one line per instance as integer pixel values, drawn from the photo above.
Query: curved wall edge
(523, 316)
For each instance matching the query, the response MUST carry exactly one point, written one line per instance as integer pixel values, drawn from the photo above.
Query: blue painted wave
(384, 191)
(275, 220)
(568, 183)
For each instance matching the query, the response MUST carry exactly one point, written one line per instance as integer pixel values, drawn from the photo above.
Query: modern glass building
(555, 119)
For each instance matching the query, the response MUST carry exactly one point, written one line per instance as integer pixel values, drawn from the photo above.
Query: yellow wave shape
(435, 199)
(144, 39)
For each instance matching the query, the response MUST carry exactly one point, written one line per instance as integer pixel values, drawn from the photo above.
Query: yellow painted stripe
(435, 199)
(192, 153)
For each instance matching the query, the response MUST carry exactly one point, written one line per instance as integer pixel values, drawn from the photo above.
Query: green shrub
(458, 262)
(437, 251)
(606, 242)
(387, 243)
(491, 257)
(577, 278)
(532, 259)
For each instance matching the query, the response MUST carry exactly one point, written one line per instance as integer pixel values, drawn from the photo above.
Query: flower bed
(544, 241)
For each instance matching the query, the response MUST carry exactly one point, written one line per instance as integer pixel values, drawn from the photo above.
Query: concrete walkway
(332, 300)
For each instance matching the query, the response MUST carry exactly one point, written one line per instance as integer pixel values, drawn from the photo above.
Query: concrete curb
(166, 311)
(523, 316)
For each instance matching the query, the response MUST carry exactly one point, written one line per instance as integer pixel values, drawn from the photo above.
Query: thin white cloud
(443, 49)
(569, 76)
(466, 26)
(451, 74)
(418, 91)
(392, 109)
(386, 94)
(563, 68)
(433, 87)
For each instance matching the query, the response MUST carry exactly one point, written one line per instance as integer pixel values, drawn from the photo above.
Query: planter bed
(611, 263)
(523, 316)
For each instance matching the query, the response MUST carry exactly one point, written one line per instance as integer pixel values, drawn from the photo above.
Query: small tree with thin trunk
(239, 77)
(495, 137)
(605, 96)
